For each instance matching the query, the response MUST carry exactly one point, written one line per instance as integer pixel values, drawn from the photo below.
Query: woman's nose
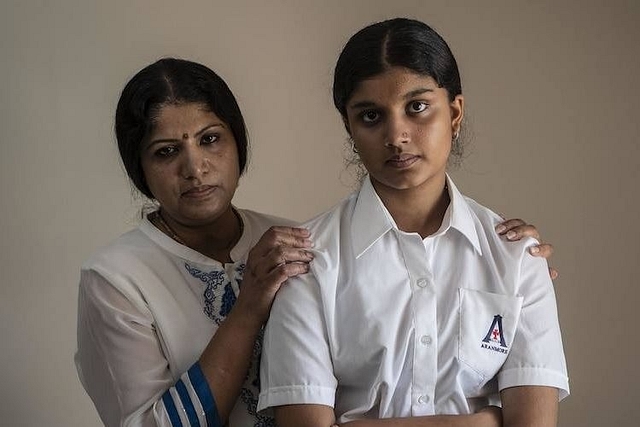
(195, 163)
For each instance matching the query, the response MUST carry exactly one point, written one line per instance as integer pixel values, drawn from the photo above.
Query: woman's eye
(209, 139)
(166, 151)
(417, 107)
(370, 116)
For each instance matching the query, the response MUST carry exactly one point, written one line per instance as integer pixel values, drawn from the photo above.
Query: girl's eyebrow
(408, 95)
(417, 92)
(362, 104)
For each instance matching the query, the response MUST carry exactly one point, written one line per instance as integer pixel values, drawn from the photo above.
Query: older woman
(171, 313)
(415, 312)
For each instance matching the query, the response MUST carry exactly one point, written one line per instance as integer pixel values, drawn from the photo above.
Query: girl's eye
(209, 139)
(166, 151)
(370, 116)
(417, 107)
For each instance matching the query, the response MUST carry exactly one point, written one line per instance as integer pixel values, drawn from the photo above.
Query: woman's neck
(214, 240)
(417, 210)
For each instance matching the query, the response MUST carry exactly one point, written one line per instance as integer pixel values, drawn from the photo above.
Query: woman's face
(190, 162)
(402, 123)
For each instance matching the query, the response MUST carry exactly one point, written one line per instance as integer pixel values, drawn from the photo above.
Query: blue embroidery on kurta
(214, 280)
(219, 299)
(248, 396)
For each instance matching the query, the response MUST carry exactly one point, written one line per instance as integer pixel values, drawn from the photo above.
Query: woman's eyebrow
(206, 128)
(198, 133)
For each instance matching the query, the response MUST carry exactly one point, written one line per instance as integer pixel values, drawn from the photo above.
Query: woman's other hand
(516, 229)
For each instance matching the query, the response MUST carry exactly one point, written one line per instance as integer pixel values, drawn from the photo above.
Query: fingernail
(500, 228)
(308, 242)
(511, 235)
(534, 250)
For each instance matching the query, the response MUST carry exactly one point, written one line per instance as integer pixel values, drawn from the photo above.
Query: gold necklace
(156, 218)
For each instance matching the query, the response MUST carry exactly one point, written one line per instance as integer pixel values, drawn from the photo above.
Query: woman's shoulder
(126, 249)
(114, 268)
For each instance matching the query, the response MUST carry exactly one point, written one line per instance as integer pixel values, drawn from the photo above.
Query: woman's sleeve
(122, 366)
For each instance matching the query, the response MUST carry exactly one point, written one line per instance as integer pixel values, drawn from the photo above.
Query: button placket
(424, 303)
(423, 399)
(426, 339)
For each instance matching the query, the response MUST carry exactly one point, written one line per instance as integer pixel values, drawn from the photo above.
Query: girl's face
(190, 162)
(402, 124)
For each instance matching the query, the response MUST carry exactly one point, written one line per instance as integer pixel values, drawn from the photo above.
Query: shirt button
(422, 282)
(425, 339)
(423, 399)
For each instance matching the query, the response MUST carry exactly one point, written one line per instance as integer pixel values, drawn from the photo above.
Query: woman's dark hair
(171, 81)
(396, 42)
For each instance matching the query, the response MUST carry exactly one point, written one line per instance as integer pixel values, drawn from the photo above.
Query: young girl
(415, 312)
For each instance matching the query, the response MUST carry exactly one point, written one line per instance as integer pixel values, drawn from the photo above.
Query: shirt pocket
(488, 324)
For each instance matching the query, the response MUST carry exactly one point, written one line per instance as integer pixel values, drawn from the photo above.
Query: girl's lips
(199, 192)
(402, 161)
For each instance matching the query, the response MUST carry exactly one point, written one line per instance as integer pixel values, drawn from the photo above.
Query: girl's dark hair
(171, 81)
(396, 42)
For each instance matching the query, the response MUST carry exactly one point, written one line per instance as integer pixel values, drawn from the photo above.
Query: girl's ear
(457, 113)
(345, 120)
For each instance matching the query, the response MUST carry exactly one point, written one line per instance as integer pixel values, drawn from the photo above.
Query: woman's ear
(457, 113)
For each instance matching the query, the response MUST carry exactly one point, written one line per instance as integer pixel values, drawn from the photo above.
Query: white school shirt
(390, 325)
(147, 308)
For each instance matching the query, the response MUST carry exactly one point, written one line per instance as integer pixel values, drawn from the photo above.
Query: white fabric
(391, 325)
(142, 323)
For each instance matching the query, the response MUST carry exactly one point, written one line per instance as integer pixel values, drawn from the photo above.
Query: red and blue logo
(494, 339)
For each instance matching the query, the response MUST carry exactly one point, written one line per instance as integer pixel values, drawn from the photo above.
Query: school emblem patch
(494, 339)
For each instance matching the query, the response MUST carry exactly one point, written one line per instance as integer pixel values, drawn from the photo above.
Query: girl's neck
(417, 210)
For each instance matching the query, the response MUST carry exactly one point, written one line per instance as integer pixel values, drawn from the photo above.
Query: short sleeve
(536, 356)
(296, 365)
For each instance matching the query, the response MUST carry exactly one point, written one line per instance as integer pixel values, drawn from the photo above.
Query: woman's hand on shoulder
(281, 253)
(516, 229)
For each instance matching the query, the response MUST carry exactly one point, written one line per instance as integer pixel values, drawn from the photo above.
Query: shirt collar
(371, 219)
(460, 216)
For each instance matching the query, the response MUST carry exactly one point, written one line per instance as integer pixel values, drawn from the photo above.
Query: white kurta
(147, 308)
(392, 325)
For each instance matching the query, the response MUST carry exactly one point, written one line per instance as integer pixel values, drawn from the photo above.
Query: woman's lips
(199, 192)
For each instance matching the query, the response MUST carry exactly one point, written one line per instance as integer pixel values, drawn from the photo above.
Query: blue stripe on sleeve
(201, 387)
(187, 404)
(171, 409)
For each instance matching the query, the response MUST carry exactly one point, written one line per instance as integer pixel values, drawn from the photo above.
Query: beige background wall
(551, 88)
